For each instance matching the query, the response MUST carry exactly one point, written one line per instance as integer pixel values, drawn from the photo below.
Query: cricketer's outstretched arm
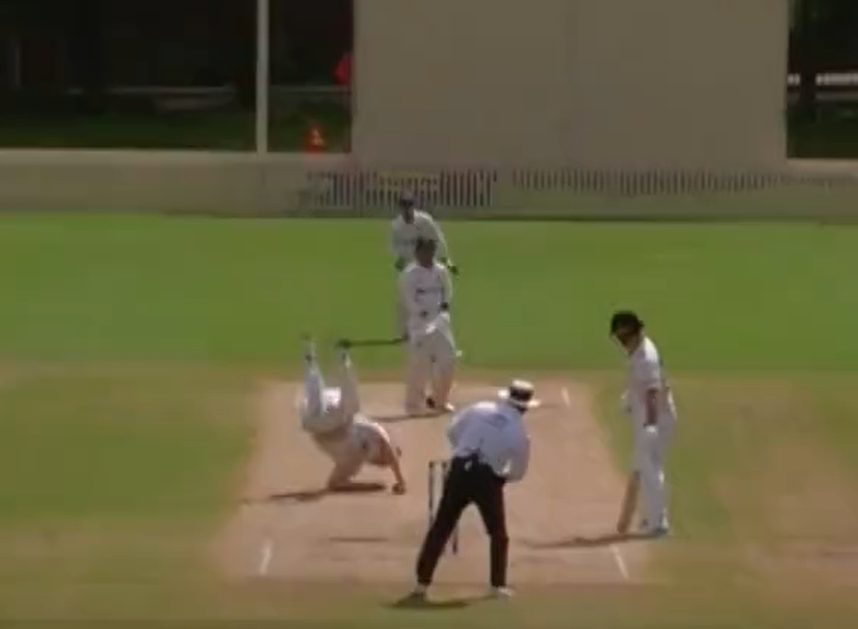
(437, 234)
(447, 299)
(392, 456)
(399, 246)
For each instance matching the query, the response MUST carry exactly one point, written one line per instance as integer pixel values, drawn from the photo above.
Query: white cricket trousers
(650, 454)
(328, 409)
(401, 316)
(431, 361)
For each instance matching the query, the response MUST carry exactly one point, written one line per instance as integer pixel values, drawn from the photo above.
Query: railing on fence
(363, 191)
(243, 184)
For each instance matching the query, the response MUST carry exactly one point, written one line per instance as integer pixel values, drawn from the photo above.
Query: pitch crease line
(615, 551)
(265, 557)
(620, 561)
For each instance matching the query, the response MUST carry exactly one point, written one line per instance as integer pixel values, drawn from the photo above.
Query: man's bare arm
(391, 455)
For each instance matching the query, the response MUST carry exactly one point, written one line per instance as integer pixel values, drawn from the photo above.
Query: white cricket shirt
(404, 235)
(422, 291)
(493, 430)
(645, 373)
(370, 437)
(362, 443)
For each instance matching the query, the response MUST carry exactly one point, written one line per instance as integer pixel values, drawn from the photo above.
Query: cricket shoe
(432, 406)
(655, 532)
(417, 596)
(501, 593)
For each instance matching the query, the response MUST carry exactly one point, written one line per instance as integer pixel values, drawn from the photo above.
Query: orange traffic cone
(314, 141)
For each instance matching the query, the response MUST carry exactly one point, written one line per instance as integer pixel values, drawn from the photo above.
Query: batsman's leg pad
(652, 494)
(443, 368)
(418, 372)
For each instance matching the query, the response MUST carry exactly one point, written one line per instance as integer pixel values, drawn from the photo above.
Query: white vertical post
(263, 73)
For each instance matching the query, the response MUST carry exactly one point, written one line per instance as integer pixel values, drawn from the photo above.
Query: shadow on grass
(583, 541)
(412, 602)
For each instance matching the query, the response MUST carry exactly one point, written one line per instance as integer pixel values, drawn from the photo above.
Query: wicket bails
(438, 470)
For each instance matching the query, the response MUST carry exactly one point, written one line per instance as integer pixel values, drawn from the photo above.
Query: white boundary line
(265, 556)
(621, 563)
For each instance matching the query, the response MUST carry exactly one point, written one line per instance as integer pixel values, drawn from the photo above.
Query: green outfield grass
(130, 345)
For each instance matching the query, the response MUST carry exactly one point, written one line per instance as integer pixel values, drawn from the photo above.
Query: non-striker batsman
(648, 401)
(426, 292)
(408, 227)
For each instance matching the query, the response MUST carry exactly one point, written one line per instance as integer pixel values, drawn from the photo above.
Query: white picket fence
(560, 191)
(244, 184)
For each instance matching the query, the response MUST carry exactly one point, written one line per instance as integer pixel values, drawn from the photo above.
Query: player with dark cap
(426, 293)
(648, 400)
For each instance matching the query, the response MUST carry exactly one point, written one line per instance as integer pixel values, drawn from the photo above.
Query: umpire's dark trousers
(468, 481)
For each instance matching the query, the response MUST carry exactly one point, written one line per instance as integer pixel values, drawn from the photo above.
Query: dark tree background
(823, 38)
(51, 48)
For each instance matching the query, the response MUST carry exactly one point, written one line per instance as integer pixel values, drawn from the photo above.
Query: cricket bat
(630, 503)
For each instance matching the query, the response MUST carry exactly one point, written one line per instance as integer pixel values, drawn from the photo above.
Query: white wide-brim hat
(520, 393)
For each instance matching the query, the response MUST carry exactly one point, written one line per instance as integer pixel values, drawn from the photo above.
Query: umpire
(490, 447)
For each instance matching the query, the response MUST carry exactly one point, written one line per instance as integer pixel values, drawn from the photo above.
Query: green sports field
(130, 348)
